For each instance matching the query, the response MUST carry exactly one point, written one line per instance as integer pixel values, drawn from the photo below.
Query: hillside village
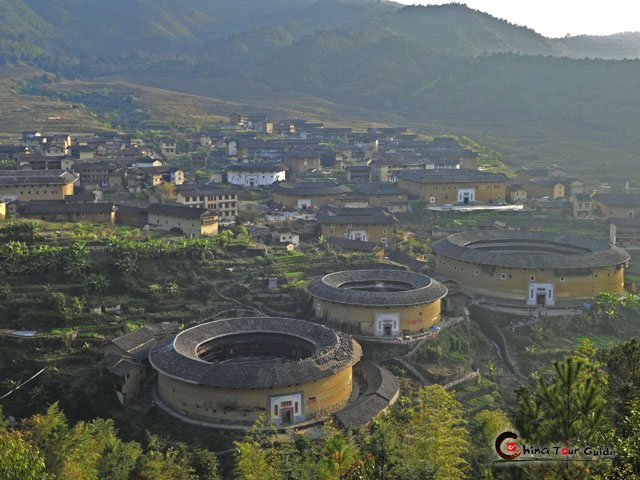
(320, 272)
(301, 170)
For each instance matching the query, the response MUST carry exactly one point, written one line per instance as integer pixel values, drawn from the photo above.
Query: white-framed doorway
(387, 324)
(466, 195)
(286, 409)
(541, 294)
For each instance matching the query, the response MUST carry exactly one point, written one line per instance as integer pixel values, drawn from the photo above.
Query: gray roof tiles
(451, 176)
(177, 358)
(595, 253)
(424, 288)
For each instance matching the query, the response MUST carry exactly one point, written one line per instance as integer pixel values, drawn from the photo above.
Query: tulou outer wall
(412, 318)
(487, 280)
(244, 406)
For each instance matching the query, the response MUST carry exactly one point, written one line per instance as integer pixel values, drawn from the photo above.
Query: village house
(256, 174)
(582, 205)
(341, 244)
(359, 174)
(40, 162)
(54, 150)
(222, 200)
(625, 232)
(618, 205)
(255, 150)
(190, 221)
(98, 174)
(299, 161)
(387, 169)
(126, 358)
(551, 208)
(550, 188)
(168, 147)
(163, 174)
(82, 152)
(27, 185)
(455, 186)
(526, 172)
(65, 212)
(284, 236)
(199, 160)
(365, 225)
(516, 193)
(572, 186)
(3, 210)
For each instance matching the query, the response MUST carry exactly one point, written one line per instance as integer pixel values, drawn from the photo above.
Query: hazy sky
(556, 18)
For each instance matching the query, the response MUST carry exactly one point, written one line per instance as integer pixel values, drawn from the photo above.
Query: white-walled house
(255, 174)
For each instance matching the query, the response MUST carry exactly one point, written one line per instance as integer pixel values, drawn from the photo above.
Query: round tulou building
(377, 302)
(531, 268)
(232, 371)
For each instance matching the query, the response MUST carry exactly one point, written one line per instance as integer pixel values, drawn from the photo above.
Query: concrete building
(218, 199)
(232, 371)
(377, 302)
(256, 174)
(582, 205)
(455, 186)
(27, 185)
(168, 147)
(525, 268)
(191, 221)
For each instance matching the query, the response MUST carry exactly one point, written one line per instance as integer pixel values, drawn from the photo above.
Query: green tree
(622, 366)
(257, 457)
(484, 428)
(569, 409)
(438, 438)
(22, 231)
(626, 442)
(19, 458)
(96, 283)
(166, 191)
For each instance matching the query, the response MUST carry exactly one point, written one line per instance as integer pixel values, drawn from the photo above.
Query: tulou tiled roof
(451, 176)
(309, 188)
(524, 249)
(36, 177)
(256, 167)
(333, 352)
(420, 288)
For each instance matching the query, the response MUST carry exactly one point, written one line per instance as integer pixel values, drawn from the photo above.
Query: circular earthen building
(531, 268)
(377, 302)
(232, 371)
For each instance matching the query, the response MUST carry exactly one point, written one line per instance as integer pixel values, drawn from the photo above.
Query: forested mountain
(119, 27)
(439, 65)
